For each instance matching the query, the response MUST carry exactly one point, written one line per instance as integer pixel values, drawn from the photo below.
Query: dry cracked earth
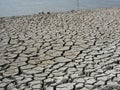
(77, 50)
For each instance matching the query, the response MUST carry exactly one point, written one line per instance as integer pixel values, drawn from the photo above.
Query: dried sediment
(77, 50)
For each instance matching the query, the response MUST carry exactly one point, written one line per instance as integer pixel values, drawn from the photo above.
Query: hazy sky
(23, 7)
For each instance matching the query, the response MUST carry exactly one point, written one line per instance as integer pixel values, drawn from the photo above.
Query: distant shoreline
(71, 11)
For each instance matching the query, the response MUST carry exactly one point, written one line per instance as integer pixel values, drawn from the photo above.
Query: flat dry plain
(77, 50)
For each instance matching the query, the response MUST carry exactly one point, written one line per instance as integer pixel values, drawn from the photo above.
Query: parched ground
(78, 50)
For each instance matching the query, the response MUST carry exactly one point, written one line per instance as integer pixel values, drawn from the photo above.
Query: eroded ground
(77, 50)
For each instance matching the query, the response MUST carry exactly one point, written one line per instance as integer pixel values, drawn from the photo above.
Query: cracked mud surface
(77, 50)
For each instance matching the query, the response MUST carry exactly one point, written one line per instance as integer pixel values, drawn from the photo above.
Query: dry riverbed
(78, 50)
